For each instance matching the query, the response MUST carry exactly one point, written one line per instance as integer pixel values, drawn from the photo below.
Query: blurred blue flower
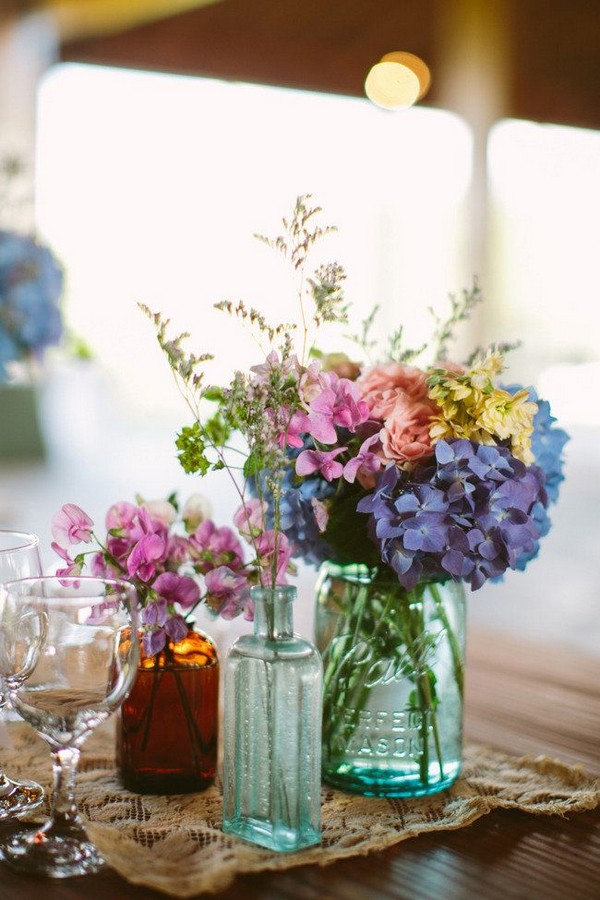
(298, 521)
(547, 442)
(30, 287)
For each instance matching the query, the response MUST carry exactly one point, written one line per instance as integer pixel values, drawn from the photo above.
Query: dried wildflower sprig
(324, 287)
(252, 318)
(328, 295)
(298, 236)
(460, 310)
(185, 366)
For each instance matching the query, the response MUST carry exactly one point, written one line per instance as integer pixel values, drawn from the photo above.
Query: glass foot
(18, 797)
(50, 854)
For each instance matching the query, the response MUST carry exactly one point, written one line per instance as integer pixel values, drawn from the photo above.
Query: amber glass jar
(167, 728)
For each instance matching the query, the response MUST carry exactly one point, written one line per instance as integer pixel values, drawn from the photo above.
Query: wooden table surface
(521, 698)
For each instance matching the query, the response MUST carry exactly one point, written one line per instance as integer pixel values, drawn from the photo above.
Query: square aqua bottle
(272, 730)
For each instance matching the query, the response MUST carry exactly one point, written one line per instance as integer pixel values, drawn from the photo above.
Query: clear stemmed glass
(74, 663)
(19, 558)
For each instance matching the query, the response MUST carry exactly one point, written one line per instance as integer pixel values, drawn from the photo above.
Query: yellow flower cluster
(472, 408)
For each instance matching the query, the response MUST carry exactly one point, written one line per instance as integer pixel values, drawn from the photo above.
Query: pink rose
(380, 387)
(405, 435)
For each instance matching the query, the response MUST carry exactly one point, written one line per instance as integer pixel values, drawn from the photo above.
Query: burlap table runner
(175, 844)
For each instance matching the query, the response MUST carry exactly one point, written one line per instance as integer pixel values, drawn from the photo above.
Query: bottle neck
(273, 612)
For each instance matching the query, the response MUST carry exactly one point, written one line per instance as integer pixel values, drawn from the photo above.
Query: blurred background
(154, 137)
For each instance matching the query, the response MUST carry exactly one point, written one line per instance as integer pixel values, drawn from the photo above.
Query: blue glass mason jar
(272, 730)
(393, 681)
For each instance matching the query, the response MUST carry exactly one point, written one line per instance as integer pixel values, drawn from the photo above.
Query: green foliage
(460, 310)
(253, 464)
(346, 531)
(217, 429)
(192, 446)
(363, 339)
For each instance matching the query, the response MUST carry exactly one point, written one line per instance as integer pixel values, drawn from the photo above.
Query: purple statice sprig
(468, 514)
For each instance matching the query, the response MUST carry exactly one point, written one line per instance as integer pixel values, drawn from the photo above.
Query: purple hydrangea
(30, 288)
(469, 513)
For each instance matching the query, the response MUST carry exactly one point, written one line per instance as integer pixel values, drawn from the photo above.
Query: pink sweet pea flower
(147, 553)
(312, 383)
(365, 463)
(212, 547)
(72, 567)
(227, 593)
(263, 371)
(322, 461)
(291, 426)
(321, 514)
(161, 510)
(177, 589)
(121, 516)
(265, 548)
(196, 509)
(71, 525)
(99, 568)
(249, 519)
(178, 551)
(339, 404)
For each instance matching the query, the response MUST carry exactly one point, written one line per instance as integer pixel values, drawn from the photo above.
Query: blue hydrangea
(298, 521)
(469, 514)
(547, 443)
(30, 288)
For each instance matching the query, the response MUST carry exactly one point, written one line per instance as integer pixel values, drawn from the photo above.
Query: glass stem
(64, 806)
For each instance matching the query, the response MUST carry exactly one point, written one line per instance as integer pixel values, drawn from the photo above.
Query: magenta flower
(178, 551)
(177, 589)
(72, 567)
(121, 517)
(145, 556)
(213, 547)
(322, 461)
(99, 568)
(227, 594)
(71, 525)
(365, 463)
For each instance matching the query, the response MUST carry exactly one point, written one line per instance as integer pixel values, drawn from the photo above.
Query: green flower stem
(457, 661)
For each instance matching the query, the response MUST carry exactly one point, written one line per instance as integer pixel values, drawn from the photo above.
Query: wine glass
(19, 558)
(72, 667)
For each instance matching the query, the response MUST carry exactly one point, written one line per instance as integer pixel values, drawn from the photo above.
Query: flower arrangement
(432, 471)
(416, 470)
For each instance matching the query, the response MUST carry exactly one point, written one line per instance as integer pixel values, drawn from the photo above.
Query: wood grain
(523, 698)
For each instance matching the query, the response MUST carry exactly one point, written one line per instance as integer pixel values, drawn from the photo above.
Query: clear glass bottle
(272, 730)
(393, 682)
